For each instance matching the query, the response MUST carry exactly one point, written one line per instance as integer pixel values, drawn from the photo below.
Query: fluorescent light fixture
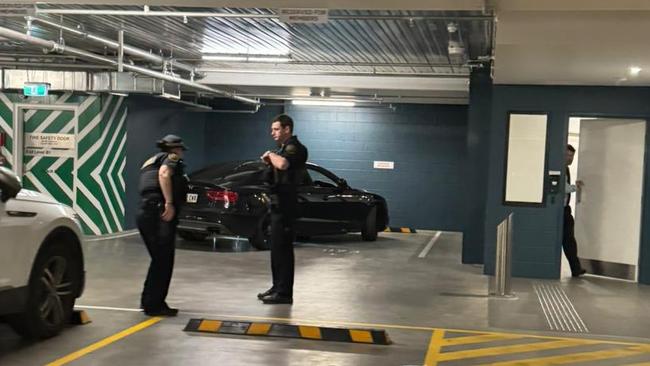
(119, 94)
(223, 58)
(329, 103)
(246, 58)
(269, 59)
(635, 70)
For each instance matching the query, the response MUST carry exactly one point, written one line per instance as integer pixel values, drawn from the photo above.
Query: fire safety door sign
(50, 144)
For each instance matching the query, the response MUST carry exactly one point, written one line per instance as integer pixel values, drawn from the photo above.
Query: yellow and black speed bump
(403, 230)
(368, 336)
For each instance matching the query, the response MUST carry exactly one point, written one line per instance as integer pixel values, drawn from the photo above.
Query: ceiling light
(635, 70)
(329, 103)
(223, 58)
(246, 58)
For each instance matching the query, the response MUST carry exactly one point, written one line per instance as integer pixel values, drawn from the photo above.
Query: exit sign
(36, 90)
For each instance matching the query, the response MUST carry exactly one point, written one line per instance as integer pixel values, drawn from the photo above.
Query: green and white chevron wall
(97, 190)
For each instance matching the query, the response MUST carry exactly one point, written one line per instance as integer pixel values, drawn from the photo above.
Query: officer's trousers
(282, 257)
(569, 243)
(159, 237)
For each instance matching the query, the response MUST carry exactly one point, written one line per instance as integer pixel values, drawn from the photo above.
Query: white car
(41, 260)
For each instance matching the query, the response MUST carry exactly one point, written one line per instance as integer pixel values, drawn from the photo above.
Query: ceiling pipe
(55, 47)
(194, 14)
(146, 55)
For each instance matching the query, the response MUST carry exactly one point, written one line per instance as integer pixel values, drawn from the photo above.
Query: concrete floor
(339, 281)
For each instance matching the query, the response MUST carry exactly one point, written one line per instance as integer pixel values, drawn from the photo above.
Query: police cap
(170, 142)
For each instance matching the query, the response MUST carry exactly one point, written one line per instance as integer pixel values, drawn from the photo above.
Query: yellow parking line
(479, 339)
(497, 351)
(104, 342)
(578, 357)
(437, 337)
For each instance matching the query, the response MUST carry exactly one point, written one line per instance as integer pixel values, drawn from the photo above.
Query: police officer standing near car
(163, 185)
(287, 169)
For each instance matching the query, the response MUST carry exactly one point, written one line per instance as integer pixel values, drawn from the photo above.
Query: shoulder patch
(290, 149)
(149, 162)
(173, 157)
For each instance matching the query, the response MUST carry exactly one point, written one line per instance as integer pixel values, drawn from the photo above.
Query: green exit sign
(35, 90)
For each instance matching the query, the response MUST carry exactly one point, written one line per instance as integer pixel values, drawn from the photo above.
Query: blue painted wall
(427, 144)
(478, 137)
(537, 235)
(426, 189)
(149, 120)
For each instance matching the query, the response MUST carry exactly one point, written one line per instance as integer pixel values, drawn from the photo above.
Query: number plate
(192, 197)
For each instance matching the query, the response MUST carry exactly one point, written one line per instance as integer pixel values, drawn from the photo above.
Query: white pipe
(55, 47)
(120, 51)
(115, 45)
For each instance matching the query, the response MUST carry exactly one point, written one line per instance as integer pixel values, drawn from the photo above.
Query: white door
(608, 210)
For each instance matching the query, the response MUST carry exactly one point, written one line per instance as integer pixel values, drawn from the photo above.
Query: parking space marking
(426, 249)
(579, 357)
(105, 342)
(437, 337)
(482, 348)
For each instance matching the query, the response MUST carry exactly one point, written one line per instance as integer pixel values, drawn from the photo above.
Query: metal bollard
(503, 258)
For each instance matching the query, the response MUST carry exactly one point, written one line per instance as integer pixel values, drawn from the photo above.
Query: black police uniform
(283, 213)
(569, 244)
(159, 235)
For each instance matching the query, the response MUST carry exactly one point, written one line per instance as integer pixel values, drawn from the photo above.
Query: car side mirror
(343, 183)
(9, 184)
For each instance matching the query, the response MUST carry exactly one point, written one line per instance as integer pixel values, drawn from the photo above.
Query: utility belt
(152, 201)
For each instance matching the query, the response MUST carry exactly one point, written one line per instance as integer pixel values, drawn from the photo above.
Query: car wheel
(192, 236)
(261, 239)
(369, 228)
(53, 285)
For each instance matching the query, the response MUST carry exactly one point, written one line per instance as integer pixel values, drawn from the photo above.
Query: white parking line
(107, 308)
(426, 249)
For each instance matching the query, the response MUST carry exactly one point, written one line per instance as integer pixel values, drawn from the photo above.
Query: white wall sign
(311, 16)
(50, 144)
(384, 165)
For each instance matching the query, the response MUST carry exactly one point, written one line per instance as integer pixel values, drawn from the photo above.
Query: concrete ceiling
(572, 42)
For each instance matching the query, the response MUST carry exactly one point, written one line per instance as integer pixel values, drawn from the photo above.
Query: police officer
(163, 185)
(287, 165)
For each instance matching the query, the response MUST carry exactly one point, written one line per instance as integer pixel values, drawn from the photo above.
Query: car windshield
(232, 171)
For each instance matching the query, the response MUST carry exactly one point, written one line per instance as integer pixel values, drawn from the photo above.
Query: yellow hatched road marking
(310, 332)
(259, 329)
(210, 326)
(579, 357)
(437, 337)
(479, 339)
(496, 351)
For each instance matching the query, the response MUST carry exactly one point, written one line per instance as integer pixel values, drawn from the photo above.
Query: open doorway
(609, 160)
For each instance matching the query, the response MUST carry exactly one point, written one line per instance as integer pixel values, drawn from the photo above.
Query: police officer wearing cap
(163, 185)
(287, 168)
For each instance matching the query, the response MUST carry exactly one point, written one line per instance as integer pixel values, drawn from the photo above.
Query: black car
(233, 199)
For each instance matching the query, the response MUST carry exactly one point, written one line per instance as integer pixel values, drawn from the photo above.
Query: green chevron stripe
(93, 213)
(87, 115)
(99, 197)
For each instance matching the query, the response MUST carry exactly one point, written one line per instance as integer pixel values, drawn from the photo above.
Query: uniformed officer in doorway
(163, 185)
(287, 168)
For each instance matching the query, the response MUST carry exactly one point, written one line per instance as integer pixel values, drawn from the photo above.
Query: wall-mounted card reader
(554, 180)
